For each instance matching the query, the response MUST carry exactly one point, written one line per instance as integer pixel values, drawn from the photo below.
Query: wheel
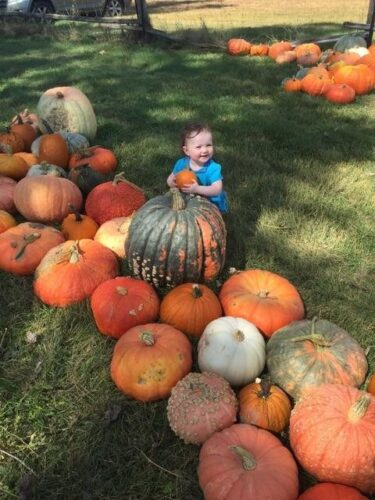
(114, 8)
(42, 7)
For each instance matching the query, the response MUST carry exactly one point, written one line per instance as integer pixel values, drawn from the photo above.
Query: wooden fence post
(370, 10)
(142, 15)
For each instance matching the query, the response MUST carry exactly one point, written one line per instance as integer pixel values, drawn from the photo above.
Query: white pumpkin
(234, 348)
(361, 51)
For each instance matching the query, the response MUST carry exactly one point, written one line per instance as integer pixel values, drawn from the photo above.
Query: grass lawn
(300, 176)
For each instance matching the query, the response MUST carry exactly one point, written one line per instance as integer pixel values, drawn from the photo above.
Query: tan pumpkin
(286, 57)
(113, 234)
(69, 109)
(45, 198)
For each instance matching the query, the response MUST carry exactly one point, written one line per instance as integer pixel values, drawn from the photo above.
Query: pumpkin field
(96, 406)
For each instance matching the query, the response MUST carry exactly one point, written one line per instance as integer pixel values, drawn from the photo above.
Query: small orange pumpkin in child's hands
(185, 177)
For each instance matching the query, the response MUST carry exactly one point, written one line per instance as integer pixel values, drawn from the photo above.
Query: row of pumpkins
(315, 363)
(338, 74)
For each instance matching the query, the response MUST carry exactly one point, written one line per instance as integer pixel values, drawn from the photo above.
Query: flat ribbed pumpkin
(175, 239)
(332, 435)
(22, 247)
(121, 303)
(66, 108)
(263, 298)
(307, 353)
(117, 198)
(45, 198)
(71, 271)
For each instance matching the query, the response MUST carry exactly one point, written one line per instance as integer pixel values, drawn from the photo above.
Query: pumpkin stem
(147, 338)
(120, 178)
(30, 238)
(121, 290)
(74, 253)
(239, 336)
(59, 95)
(74, 211)
(263, 294)
(265, 387)
(316, 338)
(197, 292)
(178, 202)
(359, 408)
(248, 461)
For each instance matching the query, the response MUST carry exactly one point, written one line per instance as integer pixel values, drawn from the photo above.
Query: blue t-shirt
(207, 175)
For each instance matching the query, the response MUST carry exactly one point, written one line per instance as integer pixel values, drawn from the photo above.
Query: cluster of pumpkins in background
(256, 353)
(338, 74)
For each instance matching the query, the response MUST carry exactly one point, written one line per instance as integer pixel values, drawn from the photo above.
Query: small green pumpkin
(86, 178)
(45, 168)
(75, 141)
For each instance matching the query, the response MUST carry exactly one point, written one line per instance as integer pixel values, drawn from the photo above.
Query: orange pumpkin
(320, 70)
(54, 149)
(6, 221)
(7, 187)
(149, 360)
(45, 198)
(190, 307)
(29, 158)
(278, 47)
(113, 234)
(368, 60)
(359, 77)
(286, 57)
(13, 166)
(185, 177)
(371, 385)
(345, 57)
(76, 226)
(315, 85)
(265, 405)
(291, 85)
(307, 59)
(121, 303)
(332, 435)
(100, 159)
(26, 117)
(246, 463)
(371, 49)
(307, 48)
(340, 93)
(71, 271)
(27, 133)
(260, 49)
(238, 46)
(11, 143)
(331, 491)
(263, 298)
(23, 247)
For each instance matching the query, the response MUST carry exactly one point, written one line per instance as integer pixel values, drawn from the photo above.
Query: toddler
(197, 145)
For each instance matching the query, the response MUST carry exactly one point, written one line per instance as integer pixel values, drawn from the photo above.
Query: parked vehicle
(111, 8)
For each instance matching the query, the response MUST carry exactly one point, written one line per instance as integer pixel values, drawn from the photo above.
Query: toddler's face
(199, 148)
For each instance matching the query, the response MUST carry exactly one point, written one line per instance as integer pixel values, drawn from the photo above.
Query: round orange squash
(340, 93)
(77, 226)
(121, 303)
(71, 271)
(113, 234)
(315, 85)
(307, 48)
(332, 435)
(331, 491)
(11, 143)
(100, 159)
(45, 198)
(185, 177)
(238, 47)
(149, 360)
(190, 307)
(263, 298)
(278, 48)
(54, 149)
(291, 85)
(6, 221)
(23, 247)
(359, 77)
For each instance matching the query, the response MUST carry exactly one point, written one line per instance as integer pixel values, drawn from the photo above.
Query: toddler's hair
(191, 130)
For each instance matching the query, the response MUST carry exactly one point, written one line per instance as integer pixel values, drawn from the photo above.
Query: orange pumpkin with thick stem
(149, 360)
(185, 177)
(265, 405)
(117, 198)
(45, 198)
(359, 77)
(331, 491)
(71, 271)
(100, 159)
(22, 247)
(114, 233)
(263, 298)
(278, 47)
(332, 435)
(238, 47)
(190, 307)
(7, 187)
(13, 166)
(54, 149)
(121, 303)
(77, 226)
(6, 221)
(246, 463)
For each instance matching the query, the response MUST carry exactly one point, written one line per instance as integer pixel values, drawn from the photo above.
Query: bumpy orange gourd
(238, 46)
(236, 463)
(304, 48)
(332, 435)
(265, 405)
(100, 159)
(185, 177)
(54, 149)
(121, 303)
(22, 247)
(278, 47)
(77, 226)
(190, 307)
(331, 491)
(6, 221)
(149, 360)
(263, 298)
(260, 49)
(71, 271)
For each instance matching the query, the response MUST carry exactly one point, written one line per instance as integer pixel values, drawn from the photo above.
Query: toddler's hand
(190, 188)
(171, 181)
